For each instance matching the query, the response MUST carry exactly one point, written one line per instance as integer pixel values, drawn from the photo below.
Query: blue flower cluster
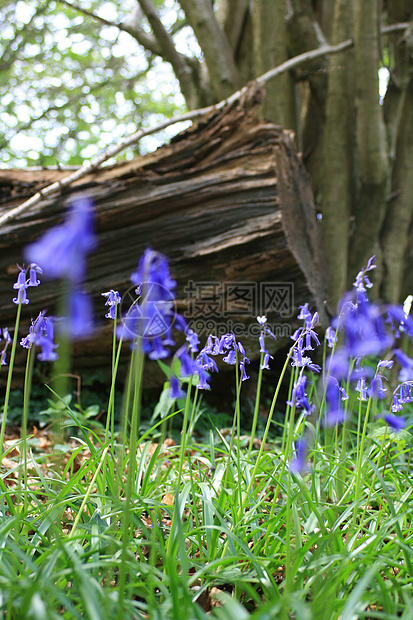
(152, 316)
(203, 363)
(363, 326)
(304, 337)
(42, 329)
(42, 334)
(112, 300)
(362, 329)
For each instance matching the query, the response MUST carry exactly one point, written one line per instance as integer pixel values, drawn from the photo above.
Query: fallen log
(227, 201)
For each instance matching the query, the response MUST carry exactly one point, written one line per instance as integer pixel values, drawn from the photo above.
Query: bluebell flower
(23, 283)
(404, 360)
(62, 253)
(406, 364)
(112, 300)
(262, 320)
(244, 376)
(198, 366)
(153, 273)
(207, 362)
(385, 364)
(396, 404)
(362, 281)
(307, 331)
(364, 329)
(33, 271)
(401, 395)
(42, 334)
(63, 250)
(151, 318)
(174, 388)
(376, 388)
(298, 464)
(188, 366)
(210, 344)
(395, 422)
(21, 286)
(231, 357)
(227, 346)
(244, 360)
(399, 321)
(193, 340)
(335, 413)
(79, 323)
(362, 389)
(303, 361)
(265, 361)
(304, 314)
(226, 342)
(7, 338)
(299, 398)
(330, 336)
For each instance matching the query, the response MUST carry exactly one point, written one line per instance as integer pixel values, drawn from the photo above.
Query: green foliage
(70, 86)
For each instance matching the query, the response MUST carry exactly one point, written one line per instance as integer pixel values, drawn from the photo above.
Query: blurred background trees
(74, 77)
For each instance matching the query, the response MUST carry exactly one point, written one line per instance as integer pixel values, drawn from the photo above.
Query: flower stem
(9, 376)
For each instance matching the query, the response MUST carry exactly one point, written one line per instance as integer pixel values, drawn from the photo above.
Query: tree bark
(236, 21)
(270, 50)
(337, 176)
(372, 154)
(217, 51)
(395, 235)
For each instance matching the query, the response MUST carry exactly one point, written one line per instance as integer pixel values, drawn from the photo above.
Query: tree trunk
(228, 202)
(270, 50)
(337, 178)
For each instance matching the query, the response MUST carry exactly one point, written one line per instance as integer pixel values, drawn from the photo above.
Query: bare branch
(142, 37)
(178, 61)
(325, 50)
(218, 54)
(394, 27)
(188, 116)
